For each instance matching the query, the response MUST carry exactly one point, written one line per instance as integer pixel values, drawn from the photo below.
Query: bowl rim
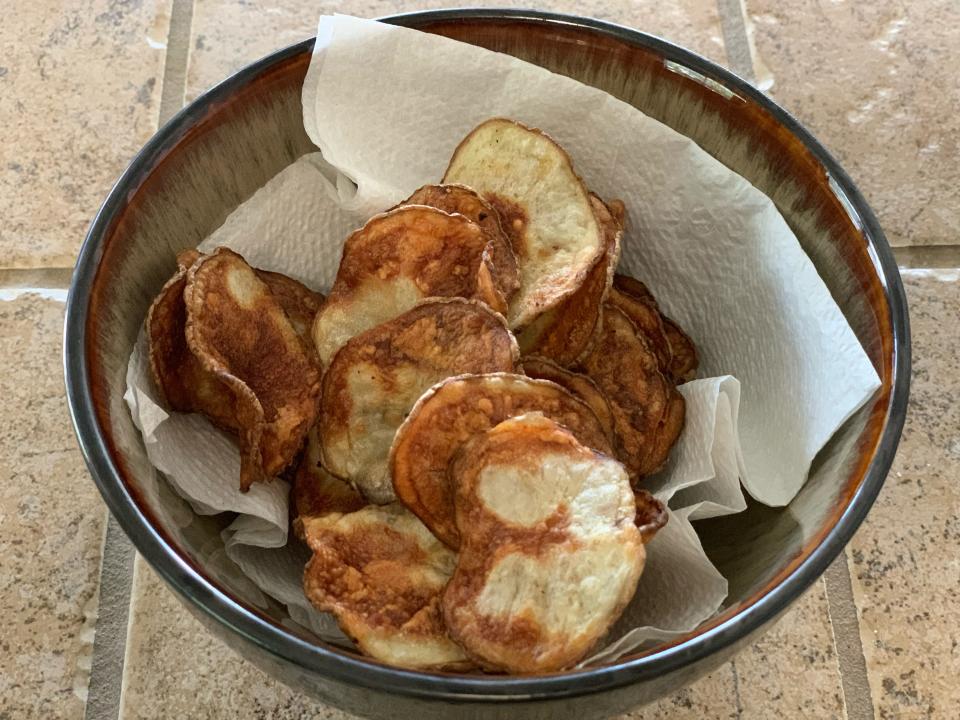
(209, 599)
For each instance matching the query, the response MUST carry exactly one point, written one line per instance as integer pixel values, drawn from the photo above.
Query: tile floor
(81, 89)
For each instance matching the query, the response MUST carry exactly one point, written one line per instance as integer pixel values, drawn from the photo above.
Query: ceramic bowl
(230, 141)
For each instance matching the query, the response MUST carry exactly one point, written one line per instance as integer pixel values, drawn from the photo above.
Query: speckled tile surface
(172, 662)
(228, 34)
(79, 87)
(904, 560)
(51, 525)
(876, 83)
(792, 671)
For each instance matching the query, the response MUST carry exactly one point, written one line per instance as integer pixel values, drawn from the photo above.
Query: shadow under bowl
(229, 142)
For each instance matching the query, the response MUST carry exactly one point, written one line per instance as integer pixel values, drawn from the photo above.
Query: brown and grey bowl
(222, 147)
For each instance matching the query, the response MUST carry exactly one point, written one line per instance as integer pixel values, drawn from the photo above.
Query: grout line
(735, 39)
(178, 55)
(846, 634)
(928, 256)
(136, 582)
(109, 644)
(738, 702)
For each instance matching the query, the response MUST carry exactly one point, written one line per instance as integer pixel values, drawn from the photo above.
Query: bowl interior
(231, 142)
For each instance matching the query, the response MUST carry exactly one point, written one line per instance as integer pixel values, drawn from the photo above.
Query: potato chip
(647, 410)
(397, 259)
(316, 493)
(550, 554)
(378, 375)
(381, 572)
(455, 410)
(499, 275)
(563, 332)
(647, 320)
(240, 333)
(299, 302)
(579, 385)
(543, 205)
(651, 514)
(683, 354)
(184, 385)
(684, 360)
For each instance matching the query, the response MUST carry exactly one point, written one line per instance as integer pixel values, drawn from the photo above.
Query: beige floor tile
(228, 34)
(876, 82)
(792, 671)
(51, 524)
(79, 90)
(905, 563)
(173, 663)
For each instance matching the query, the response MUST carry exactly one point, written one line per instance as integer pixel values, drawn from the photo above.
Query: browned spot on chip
(550, 552)
(684, 362)
(499, 271)
(619, 212)
(394, 261)
(513, 220)
(299, 302)
(563, 332)
(651, 514)
(375, 379)
(580, 385)
(381, 572)
(625, 368)
(455, 410)
(647, 320)
(683, 359)
(240, 333)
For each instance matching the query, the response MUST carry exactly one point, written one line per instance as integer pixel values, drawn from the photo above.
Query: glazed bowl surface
(230, 141)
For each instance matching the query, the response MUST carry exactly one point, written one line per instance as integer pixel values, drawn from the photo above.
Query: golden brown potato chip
(381, 572)
(378, 375)
(550, 554)
(563, 332)
(625, 368)
(316, 493)
(186, 258)
(543, 205)
(683, 353)
(394, 261)
(651, 514)
(579, 385)
(684, 360)
(647, 320)
(184, 385)
(299, 302)
(619, 212)
(635, 289)
(455, 410)
(499, 271)
(240, 333)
